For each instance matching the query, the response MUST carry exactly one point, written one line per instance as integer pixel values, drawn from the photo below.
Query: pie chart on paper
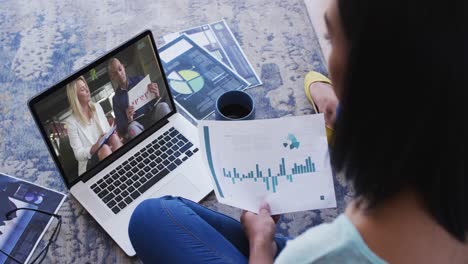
(186, 81)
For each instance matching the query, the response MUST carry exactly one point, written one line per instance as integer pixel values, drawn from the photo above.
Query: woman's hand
(260, 230)
(130, 112)
(95, 147)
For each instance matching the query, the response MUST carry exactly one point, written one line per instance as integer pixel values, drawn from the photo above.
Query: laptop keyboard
(149, 165)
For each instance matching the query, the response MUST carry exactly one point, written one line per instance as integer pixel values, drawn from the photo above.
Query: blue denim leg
(230, 228)
(176, 230)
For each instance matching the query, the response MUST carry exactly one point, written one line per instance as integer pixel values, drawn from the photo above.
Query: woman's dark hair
(401, 124)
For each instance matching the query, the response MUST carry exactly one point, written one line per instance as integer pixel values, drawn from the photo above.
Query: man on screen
(131, 122)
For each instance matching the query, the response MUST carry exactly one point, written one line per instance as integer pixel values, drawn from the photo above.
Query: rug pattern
(44, 41)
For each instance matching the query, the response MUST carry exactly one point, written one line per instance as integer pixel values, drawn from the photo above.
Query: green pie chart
(186, 81)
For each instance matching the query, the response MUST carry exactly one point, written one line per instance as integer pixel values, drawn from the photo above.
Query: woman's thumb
(264, 209)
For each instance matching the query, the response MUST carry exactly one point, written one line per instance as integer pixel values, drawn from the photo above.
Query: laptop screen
(101, 111)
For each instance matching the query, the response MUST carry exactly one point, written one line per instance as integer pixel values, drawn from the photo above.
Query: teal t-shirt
(336, 242)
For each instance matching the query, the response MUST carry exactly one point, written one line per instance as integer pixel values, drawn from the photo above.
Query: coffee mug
(235, 105)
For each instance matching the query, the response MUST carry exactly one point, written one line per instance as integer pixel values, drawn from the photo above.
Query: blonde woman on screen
(86, 127)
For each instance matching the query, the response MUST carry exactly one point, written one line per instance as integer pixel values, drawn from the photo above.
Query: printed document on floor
(218, 39)
(195, 77)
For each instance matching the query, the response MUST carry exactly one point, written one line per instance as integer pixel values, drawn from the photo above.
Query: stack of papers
(202, 63)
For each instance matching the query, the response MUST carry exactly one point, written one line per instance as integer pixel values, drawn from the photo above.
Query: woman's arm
(102, 119)
(262, 251)
(81, 152)
(260, 230)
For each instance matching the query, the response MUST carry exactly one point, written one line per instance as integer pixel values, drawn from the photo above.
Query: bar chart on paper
(271, 179)
(288, 167)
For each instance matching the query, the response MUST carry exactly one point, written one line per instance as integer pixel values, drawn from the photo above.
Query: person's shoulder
(117, 93)
(98, 107)
(317, 242)
(337, 242)
(72, 121)
(134, 80)
(117, 98)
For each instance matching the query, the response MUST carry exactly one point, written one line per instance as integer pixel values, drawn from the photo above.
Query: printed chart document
(284, 162)
(20, 234)
(195, 77)
(219, 40)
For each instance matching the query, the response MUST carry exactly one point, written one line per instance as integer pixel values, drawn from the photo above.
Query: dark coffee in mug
(235, 111)
(234, 105)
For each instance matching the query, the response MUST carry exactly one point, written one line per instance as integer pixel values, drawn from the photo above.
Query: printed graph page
(218, 39)
(284, 162)
(197, 78)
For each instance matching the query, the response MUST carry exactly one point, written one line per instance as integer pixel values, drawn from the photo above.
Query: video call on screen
(129, 78)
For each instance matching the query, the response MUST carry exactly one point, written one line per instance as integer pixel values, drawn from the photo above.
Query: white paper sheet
(284, 162)
(139, 95)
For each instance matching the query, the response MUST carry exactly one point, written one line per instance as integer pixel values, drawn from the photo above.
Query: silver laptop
(119, 157)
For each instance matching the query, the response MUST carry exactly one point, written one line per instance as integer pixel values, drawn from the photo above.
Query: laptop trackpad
(178, 186)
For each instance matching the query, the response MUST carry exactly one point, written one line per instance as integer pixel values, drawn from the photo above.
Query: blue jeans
(176, 230)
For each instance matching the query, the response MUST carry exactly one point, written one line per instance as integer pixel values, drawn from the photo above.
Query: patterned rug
(44, 41)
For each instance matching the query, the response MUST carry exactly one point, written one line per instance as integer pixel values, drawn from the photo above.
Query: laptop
(161, 157)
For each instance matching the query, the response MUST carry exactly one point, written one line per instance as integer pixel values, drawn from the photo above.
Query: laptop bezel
(129, 145)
